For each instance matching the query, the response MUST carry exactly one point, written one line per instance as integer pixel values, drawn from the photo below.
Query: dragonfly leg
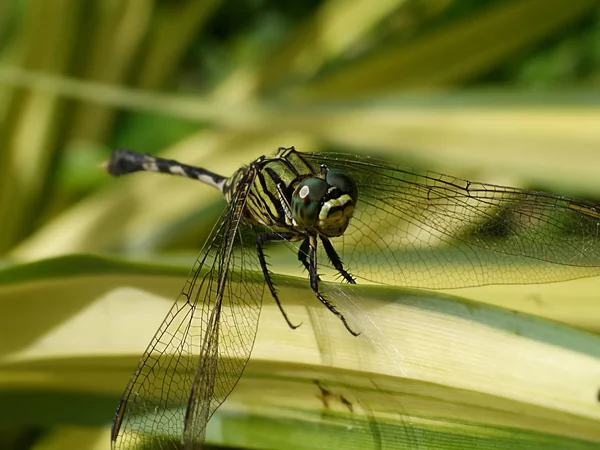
(314, 283)
(336, 260)
(303, 255)
(261, 239)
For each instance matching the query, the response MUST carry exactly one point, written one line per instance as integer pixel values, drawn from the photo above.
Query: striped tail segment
(123, 162)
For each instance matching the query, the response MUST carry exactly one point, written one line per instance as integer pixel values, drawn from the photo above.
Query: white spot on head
(304, 192)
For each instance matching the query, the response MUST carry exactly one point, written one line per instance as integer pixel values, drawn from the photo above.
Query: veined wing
(462, 233)
(200, 350)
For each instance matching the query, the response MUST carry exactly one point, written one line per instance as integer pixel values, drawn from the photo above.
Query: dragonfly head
(325, 203)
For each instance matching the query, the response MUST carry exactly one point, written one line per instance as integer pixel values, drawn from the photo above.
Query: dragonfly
(354, 214)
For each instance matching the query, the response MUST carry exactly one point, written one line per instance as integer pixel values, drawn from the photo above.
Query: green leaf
(428, 368)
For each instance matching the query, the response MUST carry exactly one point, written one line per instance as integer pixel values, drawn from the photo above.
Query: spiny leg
(314, 283)
(261, 239)
(303, 255)
(336, 260)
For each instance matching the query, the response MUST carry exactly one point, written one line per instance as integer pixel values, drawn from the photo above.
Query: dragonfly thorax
(325, 204)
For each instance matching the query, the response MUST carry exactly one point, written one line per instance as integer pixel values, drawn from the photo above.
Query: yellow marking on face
(335, 223)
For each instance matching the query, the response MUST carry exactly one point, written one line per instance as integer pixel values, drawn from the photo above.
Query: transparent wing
(201, 348)
(379, 416)
(429, 230)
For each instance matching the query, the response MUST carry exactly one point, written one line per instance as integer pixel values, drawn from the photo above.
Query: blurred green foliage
(500, 89)
(292, 57)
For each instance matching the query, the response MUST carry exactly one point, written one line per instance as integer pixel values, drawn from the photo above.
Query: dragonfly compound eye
(307, 199)
(325, 205)
(343, 182)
